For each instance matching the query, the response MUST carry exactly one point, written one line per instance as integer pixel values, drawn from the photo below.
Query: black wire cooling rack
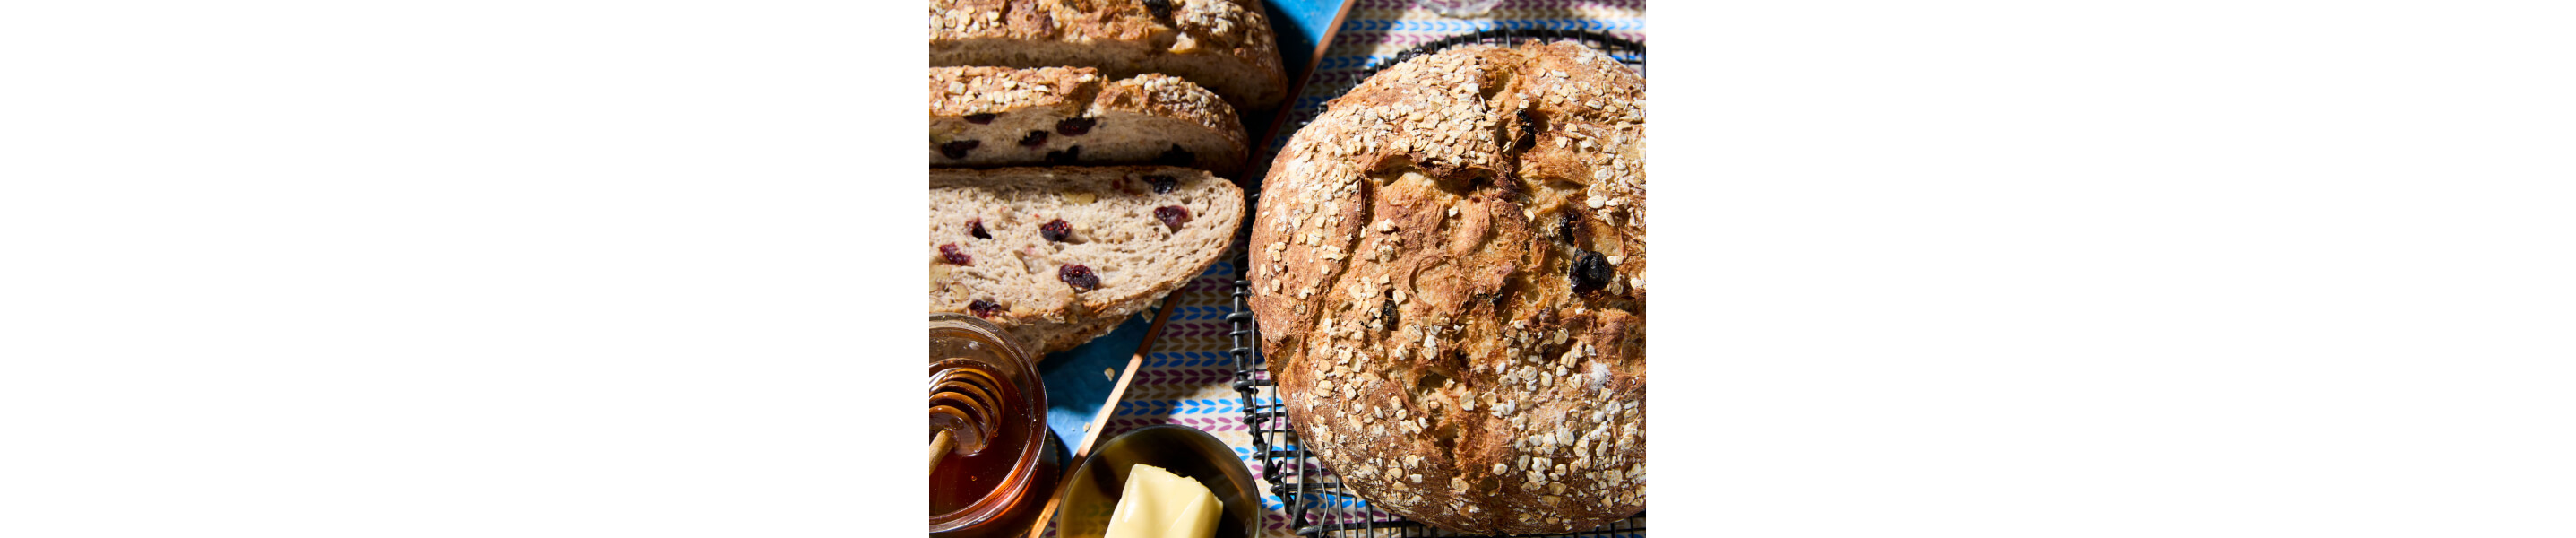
(1312, 496)
(1627, 52)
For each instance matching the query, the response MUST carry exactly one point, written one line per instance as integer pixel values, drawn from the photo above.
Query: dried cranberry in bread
(1225, 45)
(1000, 116)
(1057, 256)
(1449, 272)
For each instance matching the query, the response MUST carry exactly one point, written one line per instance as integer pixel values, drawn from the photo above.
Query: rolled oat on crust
(1449, 272)
(1225, 45)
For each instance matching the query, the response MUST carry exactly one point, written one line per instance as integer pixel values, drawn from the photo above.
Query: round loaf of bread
(1449, 271)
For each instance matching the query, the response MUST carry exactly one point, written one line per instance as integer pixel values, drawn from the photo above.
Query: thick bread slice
(1449, 270)
(1119, 224)
(1000, 116)
(1225, 45)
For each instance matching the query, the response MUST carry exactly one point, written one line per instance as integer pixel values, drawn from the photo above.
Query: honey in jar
(987, 398)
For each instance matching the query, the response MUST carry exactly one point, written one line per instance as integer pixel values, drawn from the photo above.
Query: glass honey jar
(992, 381)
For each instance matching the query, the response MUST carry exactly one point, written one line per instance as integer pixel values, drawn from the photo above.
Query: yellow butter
(1159, 504)
(1197, 519)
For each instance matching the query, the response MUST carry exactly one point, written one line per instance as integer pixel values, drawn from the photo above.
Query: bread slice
(1128, 236)
(1225, 45)
(1000, 116)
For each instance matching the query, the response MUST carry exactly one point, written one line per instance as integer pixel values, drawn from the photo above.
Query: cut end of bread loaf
(1058, 256)
(993, 116)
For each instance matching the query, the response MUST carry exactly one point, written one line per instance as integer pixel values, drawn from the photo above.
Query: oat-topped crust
(961, 91)
(1159, 95)
(1224, 44)
(1188, 25)
(1449, 272)
(1078, 92)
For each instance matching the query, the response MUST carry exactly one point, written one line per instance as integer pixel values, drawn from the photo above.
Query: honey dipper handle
(1101, 421)
(940, 445)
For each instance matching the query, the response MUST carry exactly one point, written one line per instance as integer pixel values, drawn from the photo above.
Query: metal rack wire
(1627, 52)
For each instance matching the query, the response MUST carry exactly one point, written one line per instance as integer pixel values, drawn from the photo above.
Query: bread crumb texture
(1449, 269)
(1058, 256)
(999, 116)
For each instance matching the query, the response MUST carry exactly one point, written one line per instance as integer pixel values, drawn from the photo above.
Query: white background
(549, 268)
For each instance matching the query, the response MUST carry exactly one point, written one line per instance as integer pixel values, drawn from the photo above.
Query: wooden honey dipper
(965, 403)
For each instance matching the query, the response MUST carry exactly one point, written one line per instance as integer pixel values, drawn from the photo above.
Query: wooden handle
(1047, 516)
(939, 446)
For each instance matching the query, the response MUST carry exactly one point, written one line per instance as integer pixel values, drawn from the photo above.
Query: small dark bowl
(1092, 495)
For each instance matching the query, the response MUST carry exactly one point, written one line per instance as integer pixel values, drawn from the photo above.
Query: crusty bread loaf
(1449, 270)
(1000, 116)
(1224, 45)
(1057, 256)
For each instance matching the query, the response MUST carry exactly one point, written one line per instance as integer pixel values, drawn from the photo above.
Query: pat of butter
(1159, 504)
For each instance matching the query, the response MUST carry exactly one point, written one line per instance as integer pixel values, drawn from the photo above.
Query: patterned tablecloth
(1186, 378)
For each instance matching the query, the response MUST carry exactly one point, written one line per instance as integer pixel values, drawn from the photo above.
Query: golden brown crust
(1158, 95)
(1076, 92)
(1414, 259)
(1222, 44)
(960, 91)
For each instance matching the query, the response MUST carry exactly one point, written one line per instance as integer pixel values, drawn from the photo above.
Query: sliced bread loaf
(1225, 45)
(1060, 255)
(1000, 116)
